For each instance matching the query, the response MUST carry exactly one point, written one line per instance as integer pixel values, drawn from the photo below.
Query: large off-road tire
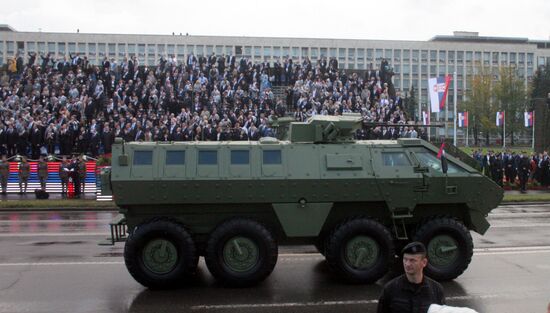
(360, 250)
(160, 254)
(241, 252)
(449, 245)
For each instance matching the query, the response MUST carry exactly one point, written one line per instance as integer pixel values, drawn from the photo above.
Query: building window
(495, 58)
(397, 56)
(143, 157)
(286, 52)
(41, 47)
(305, 52)
(31, 46)
(175, 157)
(442, 56)
(424, 56)
(171, 50)
(51, 47)
(208, 157)
(122, 50)
(200, 50)
(267, 52)
(92, 48)
(415, 56)
(72, 47)
(379, 55)
(433, 56)
(271, 157)
(209, 50)
(101, 49)
(61, 48)
(240, 157)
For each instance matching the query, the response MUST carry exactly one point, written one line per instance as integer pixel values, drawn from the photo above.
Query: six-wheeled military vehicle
(235, 202)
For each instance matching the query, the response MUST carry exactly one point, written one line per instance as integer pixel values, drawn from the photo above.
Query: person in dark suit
(107, 139)
(82, 173)
(524, 168)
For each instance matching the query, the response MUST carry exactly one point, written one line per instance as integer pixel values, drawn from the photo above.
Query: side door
(401, 185)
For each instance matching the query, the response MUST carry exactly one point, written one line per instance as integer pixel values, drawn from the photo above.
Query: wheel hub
(240, 254)
(442, 250)
(361, 252)
(160, 256)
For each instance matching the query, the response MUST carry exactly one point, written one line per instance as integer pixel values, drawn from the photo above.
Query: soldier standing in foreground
(24, 173)
(42, 173)
(412, 291)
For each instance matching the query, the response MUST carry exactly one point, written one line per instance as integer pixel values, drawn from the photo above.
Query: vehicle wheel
(241, 252)
(360, 250)
(449, 246)
(160, 254)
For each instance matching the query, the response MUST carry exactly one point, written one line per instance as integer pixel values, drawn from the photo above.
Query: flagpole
(533, 139)
(454, 100)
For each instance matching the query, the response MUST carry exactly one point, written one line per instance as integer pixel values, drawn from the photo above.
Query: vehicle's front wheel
(360, 250)
(160, 254)
(241, 252)
(449, 247)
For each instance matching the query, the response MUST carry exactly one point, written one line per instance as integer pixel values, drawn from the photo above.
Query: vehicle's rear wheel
(160, 254)
(449, 245)
(241, 252)
(360, 250)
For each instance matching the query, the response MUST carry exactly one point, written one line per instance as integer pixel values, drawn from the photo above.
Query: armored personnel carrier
(235, 202)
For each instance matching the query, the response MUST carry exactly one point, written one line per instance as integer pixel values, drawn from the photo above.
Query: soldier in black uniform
(412, 291)
(4, 174)
(523, 171)
(496, 169)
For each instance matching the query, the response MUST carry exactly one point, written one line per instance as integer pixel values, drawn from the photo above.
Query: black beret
(414, 247)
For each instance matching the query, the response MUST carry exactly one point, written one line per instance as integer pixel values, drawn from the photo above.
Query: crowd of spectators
(507, 166)
(69, 106)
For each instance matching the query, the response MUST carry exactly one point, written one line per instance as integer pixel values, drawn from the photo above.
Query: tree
(479, 103)
(540, 86)
(510, 94)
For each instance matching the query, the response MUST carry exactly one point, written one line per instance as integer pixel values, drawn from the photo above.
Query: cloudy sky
(394, 19)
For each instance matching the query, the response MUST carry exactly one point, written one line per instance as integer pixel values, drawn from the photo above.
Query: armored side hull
(234, 202)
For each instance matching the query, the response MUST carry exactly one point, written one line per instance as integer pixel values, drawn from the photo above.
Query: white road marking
(518, 225)
(321, 303)
(300, 257)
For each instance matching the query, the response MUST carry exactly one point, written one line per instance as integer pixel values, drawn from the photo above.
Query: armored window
(428, 158)
(240, 157)
(272, 157)
(395, 159)
(143, 157)
(175, 157)
(208, 157)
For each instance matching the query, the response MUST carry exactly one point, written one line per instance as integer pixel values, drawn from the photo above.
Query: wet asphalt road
(50, 262)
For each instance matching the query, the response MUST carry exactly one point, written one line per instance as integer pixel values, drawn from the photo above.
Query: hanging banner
(528, 119)
(462, 119)
(438, 87)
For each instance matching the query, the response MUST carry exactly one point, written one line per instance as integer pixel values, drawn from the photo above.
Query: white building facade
(413, 61)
